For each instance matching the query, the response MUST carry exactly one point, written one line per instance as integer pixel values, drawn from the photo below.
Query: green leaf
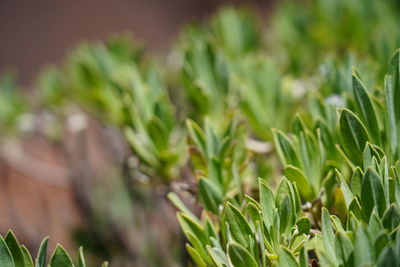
(295, 175)
(218, 256)
(15, 249)
(363, 251)
(81, 258)
(286, 258)
(367, 110)
(343, 248)
(285, 149)
(240, 257)
(391, 217)
(239, 227)
(285, 213)
(355, 208)
(267, 203)
(381, 241)
(372, 194)
(210, 195)
(180, 206)
(60, 258)
(328, 236)
(42, 253)
(387, 258)
(191, 226)
(6, 259)
(348, 195)
(28, 262)
(395, 73)
(303, 257)
(391, 125)
(303, 225)
(195, 256)
(353, 136)
(356, 181)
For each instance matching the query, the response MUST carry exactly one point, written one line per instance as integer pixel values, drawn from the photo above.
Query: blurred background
(34, 34)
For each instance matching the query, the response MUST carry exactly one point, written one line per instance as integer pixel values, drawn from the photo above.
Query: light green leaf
(295, 175)
(195, 256)
(180, 206)
(363, 251)
(28, 262)
(240, 257)
(285, 149)
(286, 258)
(328, 236)
(343, 248)
(267, 203)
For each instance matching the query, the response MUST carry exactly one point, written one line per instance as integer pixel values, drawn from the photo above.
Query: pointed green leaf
(81, 258)
(363, 251)
(364, 103)
(372, 194)
(60, 258)
(6, 259)
(195, 256)
(42, 253)
(328, 236)
(286, 258)
(15, 249)
(239, 227)
(353, 136)
(28, 262)
(210, 195)
(267, 203)
(240, 257)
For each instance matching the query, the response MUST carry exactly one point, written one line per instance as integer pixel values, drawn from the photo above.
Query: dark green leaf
(6, 259)
(367, 110)
(372, 194)
(15, 249)
(353, 136)
(60, 258)
(210, 195)
(42, 253)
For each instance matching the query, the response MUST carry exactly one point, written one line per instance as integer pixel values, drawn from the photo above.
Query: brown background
(36, 33)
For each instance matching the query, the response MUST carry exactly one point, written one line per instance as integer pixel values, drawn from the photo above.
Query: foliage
(12, 254)
(285, 100)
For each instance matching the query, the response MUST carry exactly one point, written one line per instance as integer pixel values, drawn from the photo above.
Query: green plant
(12, 254)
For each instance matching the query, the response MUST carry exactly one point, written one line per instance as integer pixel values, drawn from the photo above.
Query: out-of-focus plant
(220, 160)
(151, 128)
(302, 33)
(12, 105)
